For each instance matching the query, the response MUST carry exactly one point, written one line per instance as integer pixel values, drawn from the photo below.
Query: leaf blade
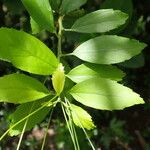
(58, 79)
(26, 52)
(108, 49)
(87, 71)
(19, 88)
(125, 6)
(100, 21)
(35, 26)
(104, 94)
(81, 118)
(70, 5)
(20, 113)
(41, 12)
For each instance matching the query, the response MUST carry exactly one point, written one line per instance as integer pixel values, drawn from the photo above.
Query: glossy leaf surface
(26, 52)
(58, 79)
(87, 71)
(19, 88)
(108, 49)
(104, 94)
(125, 6)
(100, 21)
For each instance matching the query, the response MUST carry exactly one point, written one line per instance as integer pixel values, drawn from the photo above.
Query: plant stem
(90, 142)
(20, 140)
(68, 125)
(59, 35)
(73, 129)
(43, 144)
(71, 123)
(69, 30)
(24, 128)
(69, 54)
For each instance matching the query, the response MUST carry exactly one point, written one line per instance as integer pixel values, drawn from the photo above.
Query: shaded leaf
(70, 5)
(105, 94)
(24, 110)
(100, 21)
(81, 118)
(87, 71)
(26, 52)
(35, 27)
(19, 88)
(108, 49)
(41, 12)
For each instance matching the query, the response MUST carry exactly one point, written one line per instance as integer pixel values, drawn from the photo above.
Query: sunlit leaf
(19, 88)
(100, 21)
(108, 49)
(125, 6)
(81, 118)
(58, 79)
(26, 52)
(105, 94)
(88, 71)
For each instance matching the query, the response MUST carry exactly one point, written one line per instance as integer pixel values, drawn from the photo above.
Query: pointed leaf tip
(108, 49)
(100, 21)
(105, 94)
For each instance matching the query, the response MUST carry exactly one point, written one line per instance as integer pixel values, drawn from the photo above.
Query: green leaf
(105, 94)
(108, 49)
(125, 6)
(58, 79)
(81, 118)
(88, 71)
(100, 21)
(26, 52)
(24, 110)
(19, 88)
(70, 5)
(41, 12)
(35, 26)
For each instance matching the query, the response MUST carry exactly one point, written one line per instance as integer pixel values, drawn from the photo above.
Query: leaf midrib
(30, 54)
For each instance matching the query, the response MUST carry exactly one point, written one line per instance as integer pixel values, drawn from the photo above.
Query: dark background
(117, 130)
